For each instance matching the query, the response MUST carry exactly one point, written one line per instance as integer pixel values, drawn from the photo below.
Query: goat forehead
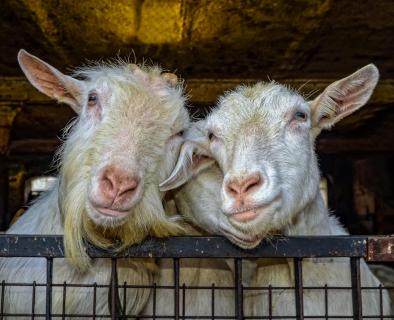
(254, 107)
(133, 105)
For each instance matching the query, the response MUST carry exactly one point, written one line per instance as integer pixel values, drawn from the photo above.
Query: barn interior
(214, 46)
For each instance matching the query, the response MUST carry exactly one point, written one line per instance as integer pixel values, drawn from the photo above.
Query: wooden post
(7, 116)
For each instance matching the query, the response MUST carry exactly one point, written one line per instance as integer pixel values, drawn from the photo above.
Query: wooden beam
(7, 116)
(206, 91)
(325, 145)
(4, 185)
(33, 146)
(361, 145)
(201, 91)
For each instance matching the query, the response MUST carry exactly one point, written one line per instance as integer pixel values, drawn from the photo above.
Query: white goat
(195, 202)
(123, 143)
(263, 139)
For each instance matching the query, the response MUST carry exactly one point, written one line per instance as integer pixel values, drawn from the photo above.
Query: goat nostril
(251, 182)
(129, 187)
(232, 188)
(107, 184)
(241, 187)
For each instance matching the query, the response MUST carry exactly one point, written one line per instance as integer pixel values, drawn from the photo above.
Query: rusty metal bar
(194, 247)
(381, 248)
(356, 288)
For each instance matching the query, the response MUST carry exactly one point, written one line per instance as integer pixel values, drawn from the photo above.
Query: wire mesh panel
(285, 279)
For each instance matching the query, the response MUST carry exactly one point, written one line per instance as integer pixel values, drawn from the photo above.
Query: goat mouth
(245, 215)
(112, 212)
(248, 214)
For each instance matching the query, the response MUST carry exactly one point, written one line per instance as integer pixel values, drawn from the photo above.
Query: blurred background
(214, 46)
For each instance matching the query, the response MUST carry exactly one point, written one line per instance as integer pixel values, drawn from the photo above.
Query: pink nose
(118, 186)
(241, 187)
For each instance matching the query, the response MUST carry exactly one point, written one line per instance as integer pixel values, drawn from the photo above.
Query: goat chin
(317, 272)
(44, 218)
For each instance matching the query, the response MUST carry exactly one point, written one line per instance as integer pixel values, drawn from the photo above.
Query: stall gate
(371, 248)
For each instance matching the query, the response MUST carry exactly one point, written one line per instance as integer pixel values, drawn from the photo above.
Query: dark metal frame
(371, 248)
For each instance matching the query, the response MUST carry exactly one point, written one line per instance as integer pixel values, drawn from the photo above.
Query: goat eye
(180, 133)
(300, 116)
(92, 99)
(211, 136)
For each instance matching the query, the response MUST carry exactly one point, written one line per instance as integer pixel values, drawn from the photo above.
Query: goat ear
(51, 81)
(343, 97)
(191, 161)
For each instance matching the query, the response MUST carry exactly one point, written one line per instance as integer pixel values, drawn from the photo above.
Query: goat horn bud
(170, 78)
(133, 67)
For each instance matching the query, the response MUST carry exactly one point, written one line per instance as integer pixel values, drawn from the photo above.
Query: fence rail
(50, 247)
(372, 248)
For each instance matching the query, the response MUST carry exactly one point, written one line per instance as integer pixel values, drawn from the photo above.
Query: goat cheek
(297, 127)
(95, 113)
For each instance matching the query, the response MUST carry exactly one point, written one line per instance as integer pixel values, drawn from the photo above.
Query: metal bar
(239, 312)
(299, 296)
(113, 289)
(183, 301)
(48, 310)
(356, 288)
(33, 301)
(94, 300)
(270, 302)
(176, 288)
(213, 301)
(2, 299)
(326, 302)
(380, 248)
(381, 301)
(154, 301)
(64, 300)
(193, 247)
(125, 297)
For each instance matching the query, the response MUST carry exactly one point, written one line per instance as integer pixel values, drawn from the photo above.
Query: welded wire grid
(118, 292)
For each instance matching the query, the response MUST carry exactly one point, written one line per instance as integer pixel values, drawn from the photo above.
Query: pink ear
(343, 97)
(50, 81)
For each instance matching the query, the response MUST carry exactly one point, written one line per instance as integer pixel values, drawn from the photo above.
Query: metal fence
(371, 248)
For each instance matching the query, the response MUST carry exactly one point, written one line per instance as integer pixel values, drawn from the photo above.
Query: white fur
(196, 203)
(257, 128)
(135, 127)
